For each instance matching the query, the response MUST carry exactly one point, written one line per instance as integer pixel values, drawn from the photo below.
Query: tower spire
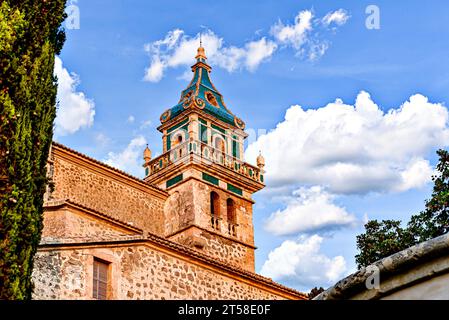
(201, 55)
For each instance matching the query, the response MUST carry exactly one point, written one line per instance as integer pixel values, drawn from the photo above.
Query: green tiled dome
(202, 94)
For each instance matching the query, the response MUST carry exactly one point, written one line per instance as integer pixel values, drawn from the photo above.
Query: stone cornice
(213, 185)
(204, 115)
(212, 232)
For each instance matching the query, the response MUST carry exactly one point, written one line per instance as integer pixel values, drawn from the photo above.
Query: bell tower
(204, 171)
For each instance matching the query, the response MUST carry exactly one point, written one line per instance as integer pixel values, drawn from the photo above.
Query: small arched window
(230, 207)
(214, 204)
(178, 138)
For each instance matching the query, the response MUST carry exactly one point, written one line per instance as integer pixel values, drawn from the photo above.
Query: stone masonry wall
(188, 209)
(103, 190)
(63, 223)
(136, 272)
(218, 247)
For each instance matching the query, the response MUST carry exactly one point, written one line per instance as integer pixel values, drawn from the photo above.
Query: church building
(185, 231)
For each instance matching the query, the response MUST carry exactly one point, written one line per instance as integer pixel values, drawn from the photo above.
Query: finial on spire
(147, 154)
(201, 55)
(260, 161)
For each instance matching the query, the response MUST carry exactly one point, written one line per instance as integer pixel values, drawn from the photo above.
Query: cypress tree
(30, 36)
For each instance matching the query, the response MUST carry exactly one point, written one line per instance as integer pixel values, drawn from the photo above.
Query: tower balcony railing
(232, 229)
(215, 222)
(207, 155)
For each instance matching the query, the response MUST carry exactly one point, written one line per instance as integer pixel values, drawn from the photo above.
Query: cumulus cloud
(301, 264)
(155, 71)
(302, 35)
(75, 110)
(338, 17)
(130, 158)
(309, 210)
(296, 34)
(177, 48)
(357, 148)
(257, 52)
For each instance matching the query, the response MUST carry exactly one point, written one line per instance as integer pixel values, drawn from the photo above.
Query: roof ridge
(157, 189)
(61, 202)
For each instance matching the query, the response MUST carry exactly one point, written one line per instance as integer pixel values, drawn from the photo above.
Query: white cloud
(304, 36)
(415, 175)
(309, 210)
(129, 159)
(354, 148)
(131, 119)
(185, 76)
(257, 52)
(339, 17)
(155, 71)
(296, 34)
(301, 264)
(178, 49)
(75, 110)
(145, 124)
(317, 50)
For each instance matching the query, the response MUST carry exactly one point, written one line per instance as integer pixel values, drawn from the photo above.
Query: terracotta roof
(59, 145)
(60, 203)
(175, 247)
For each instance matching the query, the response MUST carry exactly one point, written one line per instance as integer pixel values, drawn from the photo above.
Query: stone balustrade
(208, 155)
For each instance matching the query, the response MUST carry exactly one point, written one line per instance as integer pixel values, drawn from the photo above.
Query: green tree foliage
(380, 240)
(434, 220)
(30, 36)
(387, 237)
(314, 292)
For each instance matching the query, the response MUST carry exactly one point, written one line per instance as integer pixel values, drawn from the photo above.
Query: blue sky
(345, 160)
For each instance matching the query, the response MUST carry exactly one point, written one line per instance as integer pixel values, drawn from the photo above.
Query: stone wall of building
(104, 189)
(217, 246)
(189, 222)
(67, 222)
(142, 270)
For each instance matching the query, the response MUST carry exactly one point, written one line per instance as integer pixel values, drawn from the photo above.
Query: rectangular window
(203, 133)
(100, 285)
(169, 142)
(235, 148)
